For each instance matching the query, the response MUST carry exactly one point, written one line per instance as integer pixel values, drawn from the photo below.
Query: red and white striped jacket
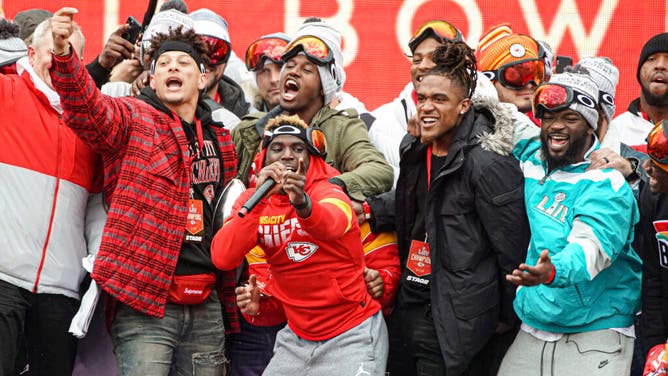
(46, 176)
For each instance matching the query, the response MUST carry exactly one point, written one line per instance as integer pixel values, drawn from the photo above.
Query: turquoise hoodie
(585, 219)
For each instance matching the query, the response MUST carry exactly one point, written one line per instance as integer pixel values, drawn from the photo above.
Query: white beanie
(207, 22)
(583, 84)
(161, 23)
(332, 76)
(606, 76)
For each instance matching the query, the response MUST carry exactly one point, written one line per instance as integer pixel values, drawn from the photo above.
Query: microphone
(257, 196)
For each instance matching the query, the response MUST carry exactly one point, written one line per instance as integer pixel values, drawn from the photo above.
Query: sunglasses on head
(314, 48)
(219, 50)
(556, 97)
(657, 144)
(262, 49)
(517, 75)
(315, 138)
(440, 30)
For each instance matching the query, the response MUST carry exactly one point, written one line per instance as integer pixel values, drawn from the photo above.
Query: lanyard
(428, 167)
(198, 130)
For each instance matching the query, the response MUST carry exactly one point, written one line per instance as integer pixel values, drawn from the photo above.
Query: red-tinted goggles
(263, 49)
(517, 75)
(219, 50)
(657, 144)
(313, 47)
(556, 97)
(440, 30)
(314, 137)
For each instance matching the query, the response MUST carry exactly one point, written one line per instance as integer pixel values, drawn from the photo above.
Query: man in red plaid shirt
(166, 163)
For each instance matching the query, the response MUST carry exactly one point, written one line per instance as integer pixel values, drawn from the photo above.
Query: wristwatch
(303, 205)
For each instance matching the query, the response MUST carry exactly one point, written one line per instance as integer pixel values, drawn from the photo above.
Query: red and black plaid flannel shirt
(147, 180)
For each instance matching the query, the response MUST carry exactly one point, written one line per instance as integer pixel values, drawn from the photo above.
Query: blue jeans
(188, 340)
(251, 350)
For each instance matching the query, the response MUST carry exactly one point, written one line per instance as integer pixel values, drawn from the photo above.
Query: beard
(657, 100)
(576, 146)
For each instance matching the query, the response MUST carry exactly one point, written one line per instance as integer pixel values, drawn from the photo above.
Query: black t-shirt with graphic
(205, 188)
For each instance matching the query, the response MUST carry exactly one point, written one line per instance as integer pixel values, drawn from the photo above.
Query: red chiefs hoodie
(316, 263)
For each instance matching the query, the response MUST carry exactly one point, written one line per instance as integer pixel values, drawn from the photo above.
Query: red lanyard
(198, 130)
(200, 135)
(428, 167)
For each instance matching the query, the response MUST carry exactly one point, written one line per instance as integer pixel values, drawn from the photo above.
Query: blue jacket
(585, 219)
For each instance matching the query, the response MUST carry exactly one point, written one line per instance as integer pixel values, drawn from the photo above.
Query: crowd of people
(218, 215)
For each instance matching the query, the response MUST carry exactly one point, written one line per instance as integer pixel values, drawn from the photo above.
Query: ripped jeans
(188, 340)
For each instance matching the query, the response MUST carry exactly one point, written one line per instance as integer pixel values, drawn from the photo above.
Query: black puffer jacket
(477, 231)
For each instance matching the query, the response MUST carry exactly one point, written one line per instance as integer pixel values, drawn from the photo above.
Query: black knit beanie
(658, 43)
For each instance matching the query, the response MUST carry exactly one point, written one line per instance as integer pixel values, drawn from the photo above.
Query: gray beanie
(332, 76)
(606, 76)
(12, 47)
(585, 85)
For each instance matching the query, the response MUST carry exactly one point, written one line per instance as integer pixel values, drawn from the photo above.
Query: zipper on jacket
(53, 205)
(547, 176)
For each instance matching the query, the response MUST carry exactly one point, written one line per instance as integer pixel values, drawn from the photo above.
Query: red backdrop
(376, 31)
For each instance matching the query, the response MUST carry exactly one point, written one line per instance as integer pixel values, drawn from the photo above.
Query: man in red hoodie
(310, 236)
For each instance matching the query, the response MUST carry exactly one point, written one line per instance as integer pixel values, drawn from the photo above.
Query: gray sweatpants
(360, 351)
(600, 352)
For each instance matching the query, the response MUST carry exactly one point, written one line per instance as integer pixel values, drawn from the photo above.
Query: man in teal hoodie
(579, 288)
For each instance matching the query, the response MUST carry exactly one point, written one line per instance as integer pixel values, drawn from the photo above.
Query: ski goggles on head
(657, 144)
(605, 98)
(556, 97)
(313, 137)
(440, 30)
(313, 47)
(262, 49)
(219, 50)
(517, 75)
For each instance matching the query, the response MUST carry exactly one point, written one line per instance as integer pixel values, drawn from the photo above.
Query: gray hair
(43, 30)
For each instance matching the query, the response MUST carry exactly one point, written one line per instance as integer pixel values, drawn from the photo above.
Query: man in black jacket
(458, 211)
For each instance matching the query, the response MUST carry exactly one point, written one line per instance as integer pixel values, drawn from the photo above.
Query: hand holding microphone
(274, 178)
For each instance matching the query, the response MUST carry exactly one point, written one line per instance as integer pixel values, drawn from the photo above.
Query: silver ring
(606, 159)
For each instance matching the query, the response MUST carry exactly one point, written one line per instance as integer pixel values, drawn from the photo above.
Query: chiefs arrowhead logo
(300, 251)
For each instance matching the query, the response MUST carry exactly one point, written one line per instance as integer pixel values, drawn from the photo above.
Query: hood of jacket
(486, 98)
(233, 97)
(203, 112)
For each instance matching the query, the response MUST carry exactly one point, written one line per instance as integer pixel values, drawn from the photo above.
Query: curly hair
(293, 120)
(177, 34)
(457, 62)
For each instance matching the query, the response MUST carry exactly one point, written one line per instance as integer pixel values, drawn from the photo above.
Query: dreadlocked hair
(177, 34)
(456, 61)
(293, 120)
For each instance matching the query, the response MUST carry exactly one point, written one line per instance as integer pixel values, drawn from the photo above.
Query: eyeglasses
(657, 144)
(556, 97)
(517, 75)
(263, 49)
(219, 50)
(313, 47)
(315, 138)
(440, 30)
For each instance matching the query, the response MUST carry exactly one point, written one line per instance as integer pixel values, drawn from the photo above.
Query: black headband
(175, 45)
